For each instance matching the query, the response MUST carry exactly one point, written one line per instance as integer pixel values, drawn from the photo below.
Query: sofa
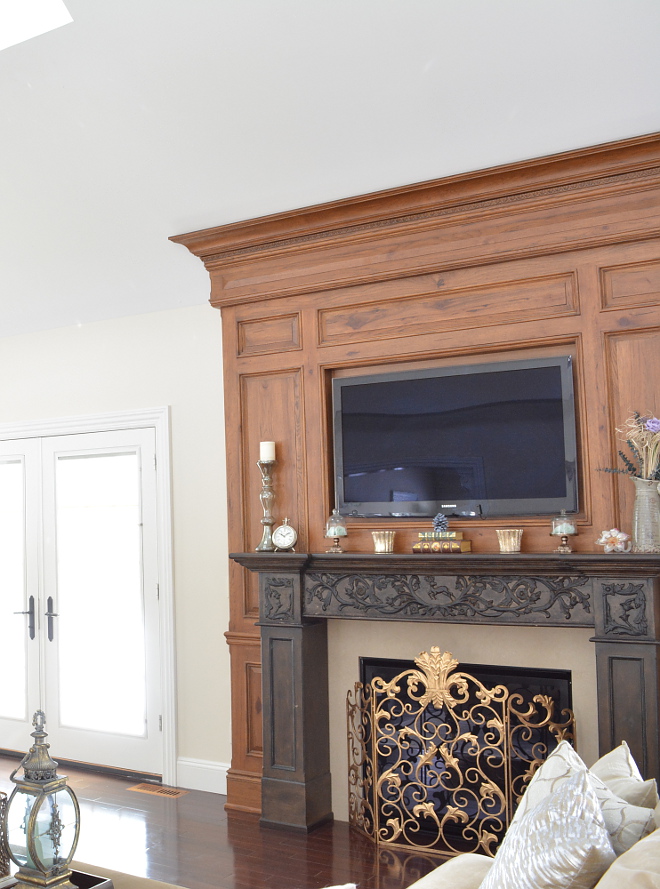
(575, 828)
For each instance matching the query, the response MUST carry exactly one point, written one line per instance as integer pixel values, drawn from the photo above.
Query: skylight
(23, 19)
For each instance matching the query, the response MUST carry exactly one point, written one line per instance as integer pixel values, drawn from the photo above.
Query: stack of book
(441, 542)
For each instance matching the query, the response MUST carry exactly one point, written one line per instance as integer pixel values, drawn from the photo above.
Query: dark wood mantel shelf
(496, 563)
(616, 595)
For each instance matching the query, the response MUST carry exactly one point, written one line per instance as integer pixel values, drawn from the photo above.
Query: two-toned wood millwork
(619, 596)
(557, 255)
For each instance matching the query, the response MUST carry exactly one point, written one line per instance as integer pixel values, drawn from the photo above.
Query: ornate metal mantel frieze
(517, 599)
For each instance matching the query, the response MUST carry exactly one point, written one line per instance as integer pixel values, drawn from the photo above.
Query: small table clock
(285, 536)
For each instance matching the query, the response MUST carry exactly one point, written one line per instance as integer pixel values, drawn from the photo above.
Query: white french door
(79, 596)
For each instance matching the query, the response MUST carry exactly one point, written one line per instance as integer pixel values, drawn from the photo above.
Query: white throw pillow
(560, 843)
(620, 772)
(625, 823)
(639, 793)
(618, 763)
(562, 763)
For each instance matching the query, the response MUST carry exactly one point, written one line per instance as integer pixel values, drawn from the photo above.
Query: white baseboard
(202, 774)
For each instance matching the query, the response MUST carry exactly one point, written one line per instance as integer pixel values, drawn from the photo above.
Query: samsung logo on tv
(448, 505)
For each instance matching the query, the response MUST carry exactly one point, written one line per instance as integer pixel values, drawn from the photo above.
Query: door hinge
(160, 723)
(158, 591)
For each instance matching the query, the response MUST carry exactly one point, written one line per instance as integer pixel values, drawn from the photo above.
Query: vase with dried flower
(642, 436)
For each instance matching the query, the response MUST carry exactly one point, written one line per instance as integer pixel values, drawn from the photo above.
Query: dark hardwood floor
(192, 842)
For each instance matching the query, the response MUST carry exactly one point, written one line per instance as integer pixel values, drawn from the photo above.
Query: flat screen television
(477, 440)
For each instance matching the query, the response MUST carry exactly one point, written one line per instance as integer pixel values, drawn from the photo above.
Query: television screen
(479, 440)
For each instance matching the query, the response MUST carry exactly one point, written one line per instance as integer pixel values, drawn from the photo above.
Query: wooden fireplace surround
(618, 596)
(558, 255)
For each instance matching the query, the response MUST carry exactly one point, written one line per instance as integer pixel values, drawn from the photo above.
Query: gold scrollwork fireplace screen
(438, 761)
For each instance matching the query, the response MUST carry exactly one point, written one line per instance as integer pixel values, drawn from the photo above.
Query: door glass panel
(99, 625)
(13, 694)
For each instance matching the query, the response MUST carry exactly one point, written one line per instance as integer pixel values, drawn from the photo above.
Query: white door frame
(159, 419)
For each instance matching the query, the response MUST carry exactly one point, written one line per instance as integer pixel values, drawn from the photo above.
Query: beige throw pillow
(560, 765)
(620, 772)
(463, 872)
(625, 823)
(618, 763)
(560, 843)
(638, 868)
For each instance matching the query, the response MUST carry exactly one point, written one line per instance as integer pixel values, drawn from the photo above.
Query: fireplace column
(628, 667)
(296, 770)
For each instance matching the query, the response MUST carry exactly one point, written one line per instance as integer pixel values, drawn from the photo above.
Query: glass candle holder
(383, 541)
(509, 539)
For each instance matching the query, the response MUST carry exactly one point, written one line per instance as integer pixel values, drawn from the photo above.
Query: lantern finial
(37, 763)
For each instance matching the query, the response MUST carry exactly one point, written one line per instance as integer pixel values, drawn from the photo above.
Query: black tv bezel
(464, 509)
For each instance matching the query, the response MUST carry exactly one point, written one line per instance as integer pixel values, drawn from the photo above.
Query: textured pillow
(639, 793)
(560, 765)
(619, 771)
(618, 763)
(638, 868)
(560, 843)
(463, 872)
(625, 823)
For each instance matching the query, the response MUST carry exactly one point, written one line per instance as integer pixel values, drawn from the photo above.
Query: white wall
(165, 358)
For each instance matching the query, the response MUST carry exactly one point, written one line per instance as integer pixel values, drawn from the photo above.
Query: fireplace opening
(441, 752)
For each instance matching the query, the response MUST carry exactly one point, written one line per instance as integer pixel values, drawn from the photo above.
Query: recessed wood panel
(502, 303)
(633, 381)
(628, 712)
(631, 285)
(280, 334)
(271, 410)
(255, 744)
(283, 718)
(247, 746)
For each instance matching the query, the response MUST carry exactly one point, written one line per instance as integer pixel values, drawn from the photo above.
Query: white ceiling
(148, 118)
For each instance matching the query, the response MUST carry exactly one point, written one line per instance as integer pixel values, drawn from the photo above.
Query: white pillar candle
(267, 451)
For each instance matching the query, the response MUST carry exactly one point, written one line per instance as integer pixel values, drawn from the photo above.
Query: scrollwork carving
(278, 600)
(625, 609)
(461, 598)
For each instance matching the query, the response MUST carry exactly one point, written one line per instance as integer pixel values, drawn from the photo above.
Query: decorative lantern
(42, 821)
(6, 878)
(335, 527)
(564, 527)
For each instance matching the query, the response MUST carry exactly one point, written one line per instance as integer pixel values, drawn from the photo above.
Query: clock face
(284, 537)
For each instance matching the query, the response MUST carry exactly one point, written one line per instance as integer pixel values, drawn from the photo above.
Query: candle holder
(267, 498)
